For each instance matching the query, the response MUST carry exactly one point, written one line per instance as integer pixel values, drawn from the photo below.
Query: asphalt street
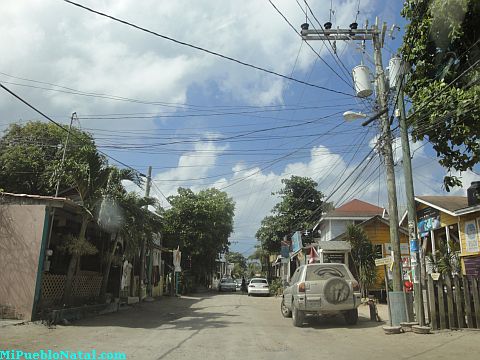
(235, 326)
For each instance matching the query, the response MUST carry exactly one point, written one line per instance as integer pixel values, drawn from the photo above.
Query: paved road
(234, 326)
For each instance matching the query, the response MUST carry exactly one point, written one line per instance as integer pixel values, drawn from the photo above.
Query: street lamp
(353, 115)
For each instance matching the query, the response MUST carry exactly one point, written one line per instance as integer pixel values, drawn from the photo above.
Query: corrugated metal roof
(29, 199)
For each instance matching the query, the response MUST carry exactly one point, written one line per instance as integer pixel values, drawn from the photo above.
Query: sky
(202, 120)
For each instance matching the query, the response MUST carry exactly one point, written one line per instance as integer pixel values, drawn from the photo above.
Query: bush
(276, 287)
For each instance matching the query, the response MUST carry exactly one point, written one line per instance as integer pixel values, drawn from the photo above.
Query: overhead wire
(199, 48)
(310, 46)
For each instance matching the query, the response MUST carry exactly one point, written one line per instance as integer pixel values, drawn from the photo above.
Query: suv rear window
(325, 272)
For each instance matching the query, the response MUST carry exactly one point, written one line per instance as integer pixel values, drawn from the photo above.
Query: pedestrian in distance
(244, 285)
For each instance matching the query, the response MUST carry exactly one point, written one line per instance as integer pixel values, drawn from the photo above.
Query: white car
(258, 286)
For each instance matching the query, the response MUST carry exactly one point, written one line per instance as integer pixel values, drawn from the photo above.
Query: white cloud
(58, 43)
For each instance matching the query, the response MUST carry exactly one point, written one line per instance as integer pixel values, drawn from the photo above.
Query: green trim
(41, 260)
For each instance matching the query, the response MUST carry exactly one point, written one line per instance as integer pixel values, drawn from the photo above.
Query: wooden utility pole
(411, 211)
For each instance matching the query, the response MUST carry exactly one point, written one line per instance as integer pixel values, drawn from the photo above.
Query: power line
(310, 46)
(64, 129)
(214, 53)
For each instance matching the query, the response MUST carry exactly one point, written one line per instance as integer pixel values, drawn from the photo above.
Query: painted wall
(379, 234)
(21, 231)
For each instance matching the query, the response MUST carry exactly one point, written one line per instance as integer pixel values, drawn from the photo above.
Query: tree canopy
(298, 209)
(30, 156)
(240, 263)
(200, 223)
(442, 45)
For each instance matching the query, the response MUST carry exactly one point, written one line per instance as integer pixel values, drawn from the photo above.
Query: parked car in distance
(324, 289)
(258, 286)
(238, 283)
(227, 284)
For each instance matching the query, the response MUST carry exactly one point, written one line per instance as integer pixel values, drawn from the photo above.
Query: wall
(21, 231)
(379, 234)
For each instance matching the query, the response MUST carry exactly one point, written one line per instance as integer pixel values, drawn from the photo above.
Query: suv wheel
(298, 316)
(285, 311)
(351, 317)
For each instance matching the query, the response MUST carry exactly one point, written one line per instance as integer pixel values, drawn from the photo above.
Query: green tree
(441, 44)
(200, 223)
(363, 257)
(30, 156)
(240, 263)
(98, 186)
(300, 205)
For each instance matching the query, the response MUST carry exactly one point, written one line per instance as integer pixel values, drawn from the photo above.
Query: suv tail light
(355, 285)
(301, 287)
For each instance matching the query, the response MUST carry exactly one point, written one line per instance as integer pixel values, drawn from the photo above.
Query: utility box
(362, 81)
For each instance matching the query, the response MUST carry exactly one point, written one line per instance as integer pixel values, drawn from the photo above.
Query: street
(234, 326)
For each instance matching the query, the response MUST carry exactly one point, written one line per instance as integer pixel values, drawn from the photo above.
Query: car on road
(227, 284)
(238, 283)
(258, 286)
(324, 289)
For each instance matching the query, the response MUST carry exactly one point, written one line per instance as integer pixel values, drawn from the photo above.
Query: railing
(454, 302)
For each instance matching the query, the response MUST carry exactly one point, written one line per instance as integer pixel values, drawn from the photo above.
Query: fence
(83, 287)
(454, 302)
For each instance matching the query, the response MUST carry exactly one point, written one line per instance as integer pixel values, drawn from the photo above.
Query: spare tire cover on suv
(336, 290)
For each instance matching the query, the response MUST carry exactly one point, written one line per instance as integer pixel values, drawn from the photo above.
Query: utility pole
(397, 297)
(57, 188)
(388, 158)
(142, 249)
(411, 211)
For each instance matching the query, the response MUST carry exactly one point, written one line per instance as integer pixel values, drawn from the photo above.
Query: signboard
(384, 261)
(428, 219)
(296, 241)
(471, 237)
(285, 249)
(414, 245)
(334, 258)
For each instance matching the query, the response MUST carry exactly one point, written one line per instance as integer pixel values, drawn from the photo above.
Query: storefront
(449, 224)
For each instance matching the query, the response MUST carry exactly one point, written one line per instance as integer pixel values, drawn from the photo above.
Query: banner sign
(428, 219)
(296, 241)
(285, 249)
(177, 257)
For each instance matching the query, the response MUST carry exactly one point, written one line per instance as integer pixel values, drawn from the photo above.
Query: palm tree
(95, 183)
(363, 257)
(138, 223)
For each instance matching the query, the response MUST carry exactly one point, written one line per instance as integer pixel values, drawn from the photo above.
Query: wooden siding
(446, 219)
(379, 234)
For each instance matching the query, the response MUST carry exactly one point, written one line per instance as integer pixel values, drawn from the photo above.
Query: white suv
(321, 289)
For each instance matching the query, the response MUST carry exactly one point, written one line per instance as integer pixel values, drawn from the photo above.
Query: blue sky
(200, 120)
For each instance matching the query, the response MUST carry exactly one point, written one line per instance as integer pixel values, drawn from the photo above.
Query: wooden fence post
(459, 302)
(441, 303)
(476, 301)
(431, 298)
(450, 307)
(468, 301)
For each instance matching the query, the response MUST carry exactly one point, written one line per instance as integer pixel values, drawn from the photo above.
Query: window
(378, 251)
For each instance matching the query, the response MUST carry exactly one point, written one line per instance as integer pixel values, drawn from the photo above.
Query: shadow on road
(338, 322)
(166, 313)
